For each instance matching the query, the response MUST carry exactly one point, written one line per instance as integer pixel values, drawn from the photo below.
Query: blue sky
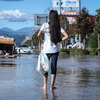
(16, 14)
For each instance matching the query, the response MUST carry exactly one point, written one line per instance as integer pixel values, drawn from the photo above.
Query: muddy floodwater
(78, 78)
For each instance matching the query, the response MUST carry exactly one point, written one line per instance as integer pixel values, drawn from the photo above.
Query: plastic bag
(43, 63)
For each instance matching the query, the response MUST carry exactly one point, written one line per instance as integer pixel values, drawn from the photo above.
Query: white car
(24, 49)
(76, 45)
(69, 46)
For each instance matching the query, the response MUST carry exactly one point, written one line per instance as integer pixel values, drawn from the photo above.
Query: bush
(79, 51)
(64, 50)
(94, 51)
(75, 51)
(98, 51)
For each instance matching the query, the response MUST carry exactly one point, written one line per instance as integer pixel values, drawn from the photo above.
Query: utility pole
(79, 14)
(99, 39)
(98, 13)
(79, 6)
(60, 6)
(60, 17)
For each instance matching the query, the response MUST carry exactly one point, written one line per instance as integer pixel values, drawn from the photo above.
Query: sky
(17, 14)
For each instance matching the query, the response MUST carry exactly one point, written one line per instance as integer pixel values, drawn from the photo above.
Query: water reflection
(78, 70)
(7, 65)
(45, 95)
(76, 77)
(98, 76)
(7, 62)
(83, 76)
(51, 96)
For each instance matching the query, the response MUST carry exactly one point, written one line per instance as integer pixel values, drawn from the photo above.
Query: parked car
(76, 45)
(24, 49)
(69, 46)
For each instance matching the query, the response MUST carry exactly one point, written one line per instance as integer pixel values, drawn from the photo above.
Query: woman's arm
(39, 37)
(65, 36)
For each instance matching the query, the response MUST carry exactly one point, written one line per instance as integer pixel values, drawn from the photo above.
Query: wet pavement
(78, 78)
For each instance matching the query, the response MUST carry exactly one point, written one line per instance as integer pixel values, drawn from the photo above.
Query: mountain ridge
(24, 30)
(18, 35)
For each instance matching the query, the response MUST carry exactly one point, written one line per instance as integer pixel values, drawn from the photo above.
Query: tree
(36, 40)
(97, 26)
(28, 42)
(83, 24)
(64, 22)
(93, 40)
(72, 30)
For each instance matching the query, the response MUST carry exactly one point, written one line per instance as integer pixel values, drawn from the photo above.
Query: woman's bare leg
(45, 82)
(52, 81)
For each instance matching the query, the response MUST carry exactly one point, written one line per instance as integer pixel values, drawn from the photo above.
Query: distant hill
(4, 34)
(19, 39)
(19, 35)
(23, 31)
(7, 29)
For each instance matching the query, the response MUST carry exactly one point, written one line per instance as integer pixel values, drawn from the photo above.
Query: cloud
(14, 16)
(11, 0)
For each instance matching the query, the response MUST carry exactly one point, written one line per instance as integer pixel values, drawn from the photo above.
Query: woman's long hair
(54, 27)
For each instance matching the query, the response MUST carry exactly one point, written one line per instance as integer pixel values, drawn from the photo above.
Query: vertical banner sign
(65, 3)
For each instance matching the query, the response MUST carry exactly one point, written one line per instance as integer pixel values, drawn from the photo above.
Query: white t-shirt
(49, 46)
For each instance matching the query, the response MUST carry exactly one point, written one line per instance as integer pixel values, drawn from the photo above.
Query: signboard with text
(65, 3)
(70, 19)
(68, 12)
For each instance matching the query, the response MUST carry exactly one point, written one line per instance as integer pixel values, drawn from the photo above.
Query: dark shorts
(53, 57)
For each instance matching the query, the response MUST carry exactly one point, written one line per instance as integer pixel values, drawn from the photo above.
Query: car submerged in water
(75, 45)
(24, 49)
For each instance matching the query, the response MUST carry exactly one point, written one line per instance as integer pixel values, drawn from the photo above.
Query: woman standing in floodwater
(52, 36)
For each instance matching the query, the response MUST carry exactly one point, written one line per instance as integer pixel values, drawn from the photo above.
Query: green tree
(72, 30)
(28, 42)
(83, 24)
(64, 22)
(36, 40)
(93, 40)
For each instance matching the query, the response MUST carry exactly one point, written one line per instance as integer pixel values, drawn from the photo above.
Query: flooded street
(78, 78)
